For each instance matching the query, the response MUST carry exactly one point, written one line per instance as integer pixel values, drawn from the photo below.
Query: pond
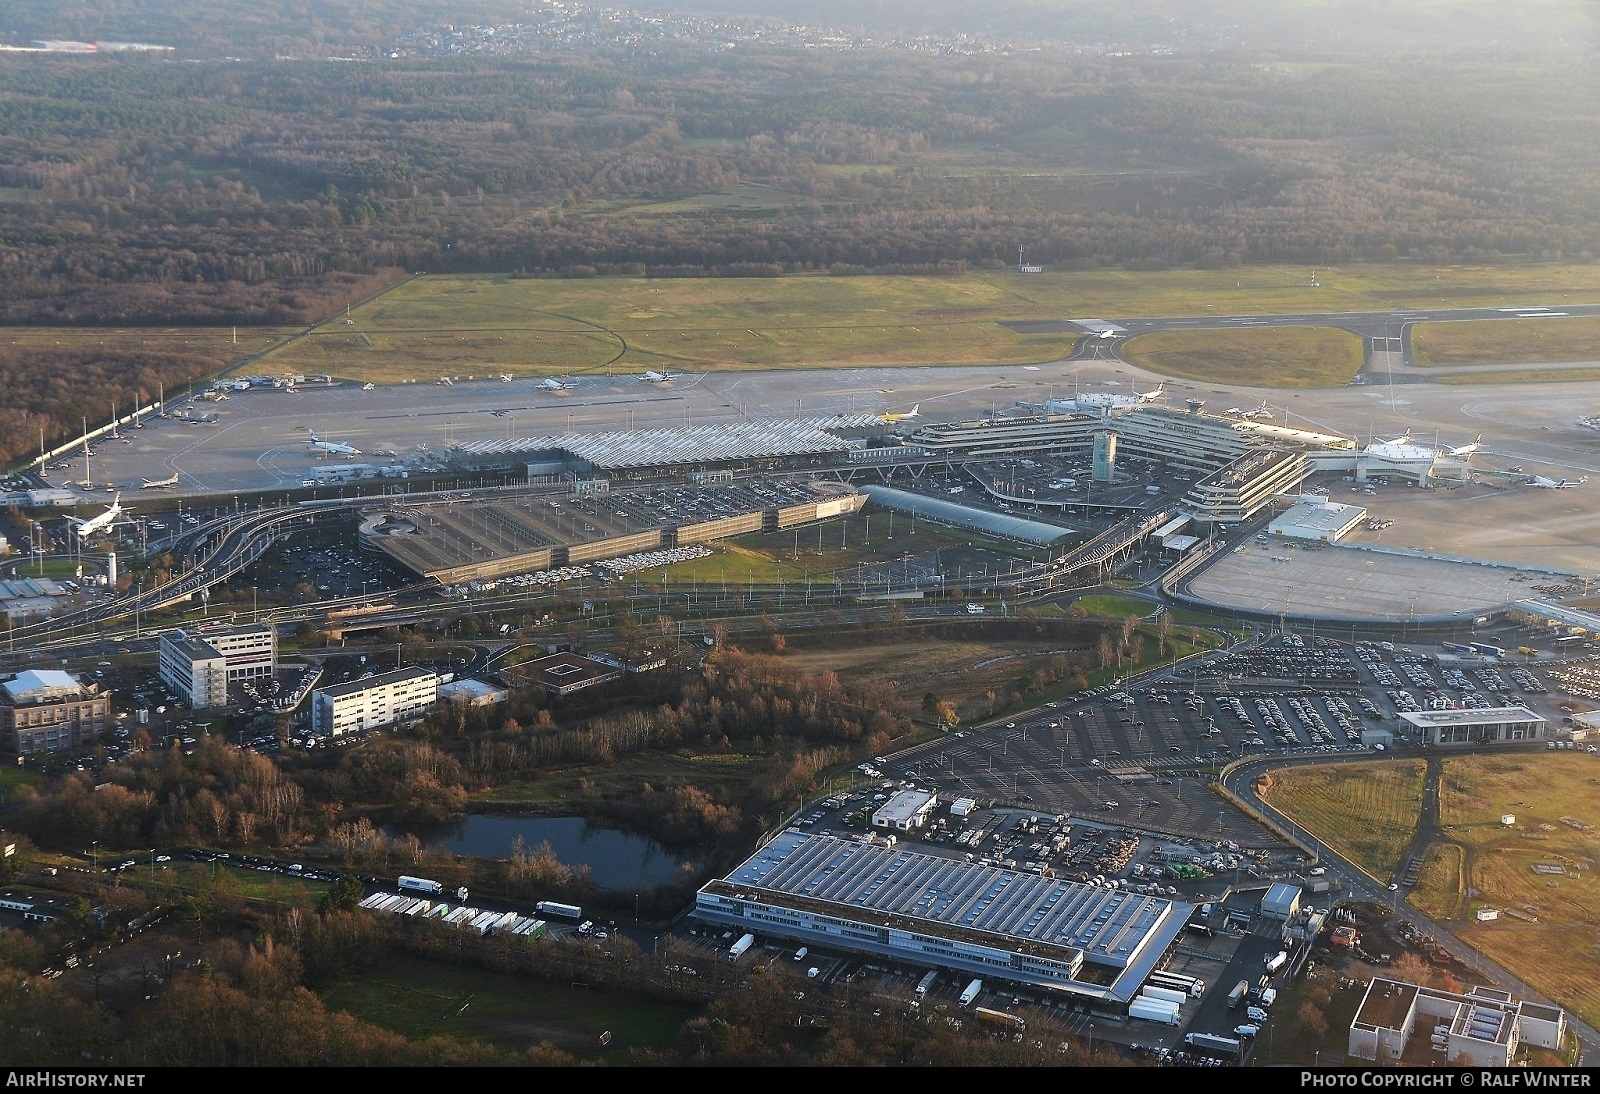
(617, 860)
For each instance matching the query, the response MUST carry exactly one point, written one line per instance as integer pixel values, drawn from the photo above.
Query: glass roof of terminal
(1003, 525)
(690, 445)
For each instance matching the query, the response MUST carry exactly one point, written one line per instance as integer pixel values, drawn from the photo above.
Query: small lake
(617, 861)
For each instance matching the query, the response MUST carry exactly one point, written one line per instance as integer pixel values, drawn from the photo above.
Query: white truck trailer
(974, 989)
(1154, 1010)
(741, 947)
(1169, 995)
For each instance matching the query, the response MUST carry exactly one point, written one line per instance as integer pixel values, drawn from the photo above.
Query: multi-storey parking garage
(520, 533)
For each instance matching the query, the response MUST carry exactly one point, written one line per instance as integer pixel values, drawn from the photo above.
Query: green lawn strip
(11, 777)
(1260, 357)
(198, 877)
(1111, 606)
(467, 325)
(1572, 338)
(1518, 376)
(1440, 890)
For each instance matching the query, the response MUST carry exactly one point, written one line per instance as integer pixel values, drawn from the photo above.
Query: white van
(800, 954)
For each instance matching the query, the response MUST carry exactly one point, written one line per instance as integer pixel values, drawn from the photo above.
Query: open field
(972, 673)
(12, 777)
(51, 566)
(826, 550)
(1298, 357)
(430, 999)
(724, 776)
(215, 342)
(1563, 339)
(961, 672)
(1553, 799)
(1440, 892)
(1366, 811)
(461, 325)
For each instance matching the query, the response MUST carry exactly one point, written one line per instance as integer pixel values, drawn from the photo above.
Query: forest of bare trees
(142, 191)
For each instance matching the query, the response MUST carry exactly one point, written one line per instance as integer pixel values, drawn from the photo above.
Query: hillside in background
(299, 28)
(341, 141)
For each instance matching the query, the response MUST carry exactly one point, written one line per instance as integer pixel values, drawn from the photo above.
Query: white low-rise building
(1491, 725)
(1315, 517)
(473, 693)
(384, 699)
(906, 810)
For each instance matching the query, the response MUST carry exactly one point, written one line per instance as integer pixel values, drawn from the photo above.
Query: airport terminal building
(1062, 938)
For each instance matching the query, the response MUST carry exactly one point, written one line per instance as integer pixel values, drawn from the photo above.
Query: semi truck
(1488, 649)
(1213, 1042)
(1237, 995)
(1154, 1010)
(1000, 1018)
(1192, 986)
(1456, 647)
(420, 885)
(741, 947)
(972, 992)
(925, 983)
(565, 911)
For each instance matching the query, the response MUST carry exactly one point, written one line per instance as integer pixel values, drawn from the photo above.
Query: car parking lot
(1141, 756)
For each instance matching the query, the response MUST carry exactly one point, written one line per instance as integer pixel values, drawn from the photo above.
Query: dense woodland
(287, 156)
(233, 187)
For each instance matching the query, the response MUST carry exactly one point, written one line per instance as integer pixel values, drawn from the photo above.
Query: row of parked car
(251, 862)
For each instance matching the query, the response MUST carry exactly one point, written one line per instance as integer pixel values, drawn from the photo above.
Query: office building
(45, 710)
(199, 663)
(383, 699)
